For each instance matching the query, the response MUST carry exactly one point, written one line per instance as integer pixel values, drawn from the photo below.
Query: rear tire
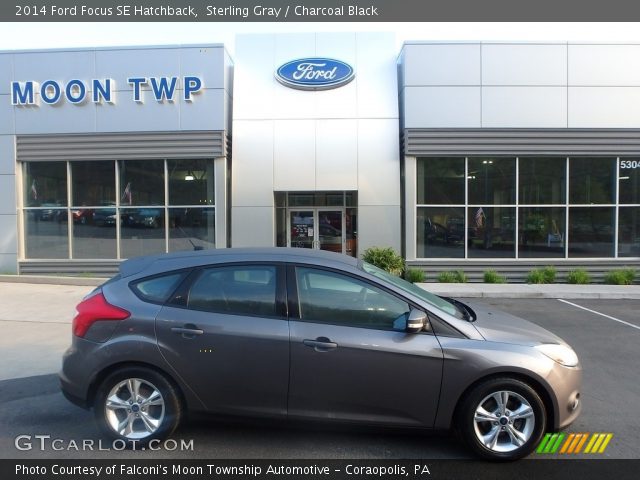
(502, 419)
(137, 405)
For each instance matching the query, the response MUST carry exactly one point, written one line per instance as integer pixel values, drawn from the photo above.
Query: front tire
(137, 405)
(502, 419)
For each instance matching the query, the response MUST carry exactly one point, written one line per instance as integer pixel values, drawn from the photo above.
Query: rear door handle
(321, 344)
(188, 331)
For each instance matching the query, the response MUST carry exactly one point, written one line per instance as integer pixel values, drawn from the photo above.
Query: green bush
(414, 275)
(624, 276)
(536, 276)
(452, 277)
(579, 277)
(384, 258)
(549, 274)
(491, 276)
(544, 275)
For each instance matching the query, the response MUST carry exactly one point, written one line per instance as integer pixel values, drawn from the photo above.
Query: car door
(226, 334)
(348, 362)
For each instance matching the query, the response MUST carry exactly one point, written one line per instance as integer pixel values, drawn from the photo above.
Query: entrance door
(320, 228)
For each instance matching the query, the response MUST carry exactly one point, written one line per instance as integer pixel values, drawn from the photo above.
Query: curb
(53, 280)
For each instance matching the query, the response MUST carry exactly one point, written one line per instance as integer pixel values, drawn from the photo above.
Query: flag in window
(480, 218)
(34, 190)
(127, 194)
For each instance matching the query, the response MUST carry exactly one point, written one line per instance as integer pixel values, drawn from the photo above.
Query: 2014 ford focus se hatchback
(301, 334)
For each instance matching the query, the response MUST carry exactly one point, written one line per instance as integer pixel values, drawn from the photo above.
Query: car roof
(192, 258)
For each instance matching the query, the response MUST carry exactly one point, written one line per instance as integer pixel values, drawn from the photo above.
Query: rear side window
(238, 289)
(158, 289)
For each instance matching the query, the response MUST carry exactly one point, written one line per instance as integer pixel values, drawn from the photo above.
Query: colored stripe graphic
(572, 443)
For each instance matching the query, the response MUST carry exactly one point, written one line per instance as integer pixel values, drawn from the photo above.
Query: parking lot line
(599, 313)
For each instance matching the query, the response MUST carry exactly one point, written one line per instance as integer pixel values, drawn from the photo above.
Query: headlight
(563, 354)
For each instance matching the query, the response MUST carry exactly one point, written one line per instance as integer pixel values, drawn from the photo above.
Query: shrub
(544, 275)
(624, 276)
(384, 258)
(414, 275)
(536, 276)
(452, 277)
(491, 276)
(549, 274)
(579, 277)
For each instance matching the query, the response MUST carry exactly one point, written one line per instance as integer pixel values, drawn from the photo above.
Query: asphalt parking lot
(36, 325)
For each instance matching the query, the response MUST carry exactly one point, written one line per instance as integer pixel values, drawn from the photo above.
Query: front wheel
(502, 419)
(137, 405)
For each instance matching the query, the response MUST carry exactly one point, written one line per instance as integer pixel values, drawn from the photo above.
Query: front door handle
(320, 344)
(188, 331)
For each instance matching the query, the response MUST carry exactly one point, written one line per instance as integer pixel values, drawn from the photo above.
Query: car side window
(157, 289)
(239, 290)
(330, 297)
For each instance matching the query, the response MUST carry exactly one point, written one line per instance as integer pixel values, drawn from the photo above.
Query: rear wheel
(502, 419)
(137, 405)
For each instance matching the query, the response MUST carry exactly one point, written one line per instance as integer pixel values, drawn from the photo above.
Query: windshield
(408, 287)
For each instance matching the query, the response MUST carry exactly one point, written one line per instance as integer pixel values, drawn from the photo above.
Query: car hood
(497, 326)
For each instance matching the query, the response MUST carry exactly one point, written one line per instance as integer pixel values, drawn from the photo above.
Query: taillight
(93, 309)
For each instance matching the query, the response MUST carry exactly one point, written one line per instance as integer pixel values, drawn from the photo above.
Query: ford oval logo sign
(315, 74)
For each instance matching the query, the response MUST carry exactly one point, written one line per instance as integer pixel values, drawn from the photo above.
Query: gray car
(303, 334)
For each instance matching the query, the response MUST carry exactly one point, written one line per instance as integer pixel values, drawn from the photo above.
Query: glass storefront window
(491, 232)
(541, 232)
(142, 231)
(141, 182)
(191, 229)
(492, 181)
(94, 233)
(45, 184)
(591, 231)
(440, 181)
(93, 183)
(629, 177)
(542, 180)
(191, 182)
(440, 232)
(629, 232)
(592, 181)
(46, 233)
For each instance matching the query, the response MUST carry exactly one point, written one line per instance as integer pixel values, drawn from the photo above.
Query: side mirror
(416, 321)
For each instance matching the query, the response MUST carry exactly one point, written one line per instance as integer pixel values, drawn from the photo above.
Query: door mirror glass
(416, 321)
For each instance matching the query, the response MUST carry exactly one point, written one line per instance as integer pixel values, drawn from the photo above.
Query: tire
(501, 437)
(155, 415)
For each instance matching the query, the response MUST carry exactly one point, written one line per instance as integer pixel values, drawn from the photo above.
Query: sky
(18, 36)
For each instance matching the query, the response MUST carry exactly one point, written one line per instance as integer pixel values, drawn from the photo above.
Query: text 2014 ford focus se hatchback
(301, 334)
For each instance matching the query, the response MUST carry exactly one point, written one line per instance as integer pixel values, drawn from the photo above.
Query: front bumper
(566, 386)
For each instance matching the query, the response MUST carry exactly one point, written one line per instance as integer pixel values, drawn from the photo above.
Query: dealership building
(460, 155)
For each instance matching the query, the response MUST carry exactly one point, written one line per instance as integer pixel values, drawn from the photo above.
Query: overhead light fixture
(624, 178)
(189, 177)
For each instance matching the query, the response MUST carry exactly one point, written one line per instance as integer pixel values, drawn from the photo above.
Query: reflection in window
(591, 231)
(45, 184)
(629, 232)
(541, 232)
(46, 233)
(91, 239)
(542, 180)
(142, 231)
(491, 232)
(141, 182)
(248, 290)
(440, 232)
(191, 182)
(440, 181)
(592, 180)
(191, 229)
(328, 297)
(492, 181)
(629, 180)
(93, 183)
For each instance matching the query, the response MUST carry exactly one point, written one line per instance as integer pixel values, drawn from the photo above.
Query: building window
(527, 207)
(118, 209)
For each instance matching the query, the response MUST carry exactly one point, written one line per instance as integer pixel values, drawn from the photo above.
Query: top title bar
(320, 11)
